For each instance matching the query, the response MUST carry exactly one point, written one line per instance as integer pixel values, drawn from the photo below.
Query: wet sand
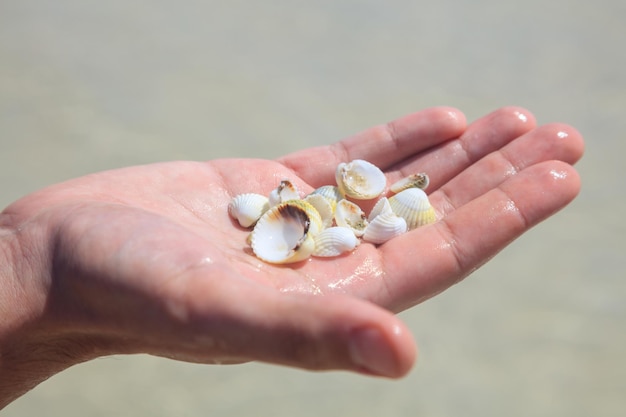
(539, 331)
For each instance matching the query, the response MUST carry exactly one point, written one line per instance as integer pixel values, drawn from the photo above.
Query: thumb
(324, 332)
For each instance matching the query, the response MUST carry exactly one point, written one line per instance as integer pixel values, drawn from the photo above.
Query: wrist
(13, 310)
(18, 316)
(31, 350)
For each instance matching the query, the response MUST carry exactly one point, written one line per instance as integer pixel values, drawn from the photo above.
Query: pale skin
(146, 260)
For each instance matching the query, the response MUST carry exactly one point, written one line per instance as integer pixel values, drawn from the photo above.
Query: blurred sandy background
(540, 331)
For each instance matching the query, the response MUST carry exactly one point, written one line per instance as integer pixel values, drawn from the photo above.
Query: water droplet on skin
(558, 175)
(521, 116)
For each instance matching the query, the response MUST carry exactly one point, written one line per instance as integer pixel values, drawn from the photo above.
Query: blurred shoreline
(87, 86)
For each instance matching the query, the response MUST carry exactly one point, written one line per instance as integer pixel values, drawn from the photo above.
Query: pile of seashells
(326, 223)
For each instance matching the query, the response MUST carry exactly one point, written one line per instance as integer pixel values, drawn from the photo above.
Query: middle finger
(549, 142)
(485, 135)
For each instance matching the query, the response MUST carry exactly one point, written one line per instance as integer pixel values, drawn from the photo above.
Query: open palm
(146, 259)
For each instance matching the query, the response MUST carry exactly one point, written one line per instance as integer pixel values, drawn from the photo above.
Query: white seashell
(323, 207)
(285, 233)
(360, 179)
(331, 193)
(334, 241)
(248, 208)
(381, 206)
(419, 180)
(285, 191)
(413, 205)
(383, 227)
(348, 214)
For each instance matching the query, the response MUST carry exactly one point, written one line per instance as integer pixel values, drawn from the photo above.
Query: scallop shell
(413, 205)
(323, 207)
(360, 179)
(248, 208)
(285, 191)
(383, 227)
(334, 241)
(419, 180)
(348, 214)
(285, 233)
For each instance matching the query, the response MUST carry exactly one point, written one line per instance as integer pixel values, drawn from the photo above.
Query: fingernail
(369, 351)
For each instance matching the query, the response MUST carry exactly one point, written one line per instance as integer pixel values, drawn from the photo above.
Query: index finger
(383, 145)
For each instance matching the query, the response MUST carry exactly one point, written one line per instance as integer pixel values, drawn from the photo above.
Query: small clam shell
(285, 191)
(383, 227)
(381, 206)
(360, 179)
(330, 192)
(348, 214)
(323, 207)
(285, 233)
(419, 180)
(334, 241)
(413, 205)
(248, 208)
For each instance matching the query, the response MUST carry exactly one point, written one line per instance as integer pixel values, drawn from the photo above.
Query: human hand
(146, 260)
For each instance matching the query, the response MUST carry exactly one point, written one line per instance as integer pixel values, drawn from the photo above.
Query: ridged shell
(381, 206)
(419, 180)
(413, 205)
(360, 179)
(285, 191)
(323, 207)
(286, 232)
(334, 241)
(348, 214)
(248, 208)
(331, 193)
(383, 227)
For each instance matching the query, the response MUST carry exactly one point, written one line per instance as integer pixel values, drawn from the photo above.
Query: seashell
(331, 193)
(334, 241)
(323, 207)
(248, 208)
(419, 180)
(360, 179)
(285, 191)
(285, 233)
(380, 207)
(383, 227)
(348, 214)
(413, 205)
